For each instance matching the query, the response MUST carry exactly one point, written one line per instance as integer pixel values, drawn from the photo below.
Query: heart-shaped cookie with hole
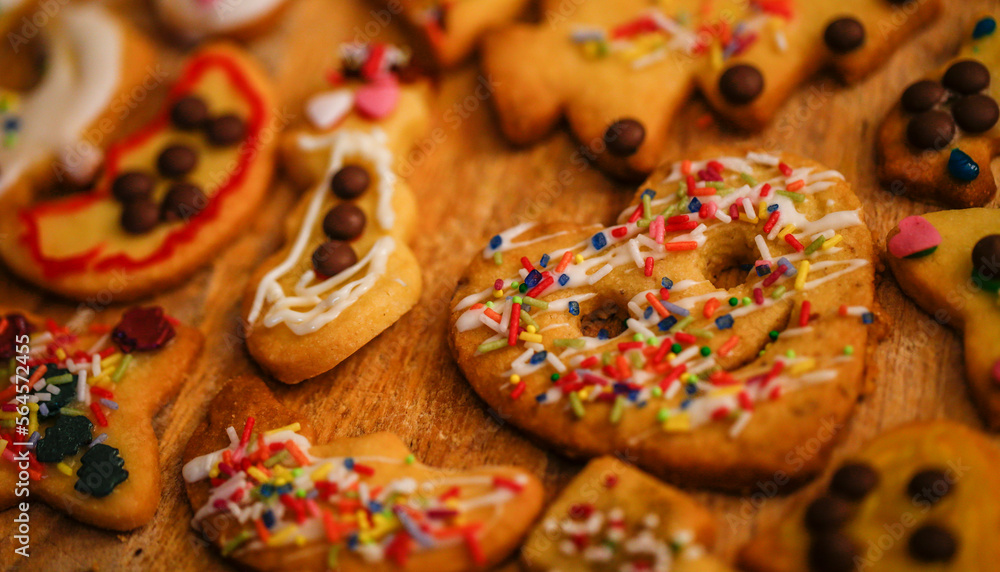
(76, 416)
(170, 196)
(345, 273)
(271, 500)
(712, 332)
(918, 497)
(957, 284)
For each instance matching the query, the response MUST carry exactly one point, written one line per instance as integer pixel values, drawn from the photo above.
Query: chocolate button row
(974, 112)
(342, 223)
(190, 113)
(140, 214)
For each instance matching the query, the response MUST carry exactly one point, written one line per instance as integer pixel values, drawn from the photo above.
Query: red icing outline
(58, 267)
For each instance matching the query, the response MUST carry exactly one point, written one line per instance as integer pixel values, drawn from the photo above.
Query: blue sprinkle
(574, 308)
(544, 261)
(961, 166)
(43, 409)
(984, 27)
(666, 323)
(772, 208)
(633, 395)
(667, 283)
(285, 489)
(599, 241)
(352, 541)
(641, 404)
(99, 439)
(867, 317)
(763, 269)
(694, 206)
(35, 436)
(690, 388)
(349, 464)
(650, 193)
(789, 267)
(724, 322)
(533, 278)
(374, 507)
(685, 404)
(603, 334)
(538, 358)
(266, 490)
(12, 124)
(109, 404)
(269, 519)
(540, 398)
(496, 241)
(649, 312)
(563, 279)
(675, 309)
(620, 387)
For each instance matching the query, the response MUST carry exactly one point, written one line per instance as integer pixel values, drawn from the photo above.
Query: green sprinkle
(637, 337)
(778, 292)
(703, 334)
(60, 379)
(301, 494)
(734, 301)
(814, 245)
(333, 556)
(790, 354)
(636, 359)
(514, 284)
(576, 404)
(410, 459)
(796, 197)
(554, 377)
(575, 343)
(277, 458)
(653, 341)
(676, 348)
(617, 409)
(725, 192)
(717, 185)
(643, 223)
(517, 299)
(120, 370)
(229, 547)
(656, 391)
(490, 346)
(663, 414)
(70, 411)
(705, 351)
(522, 288)
(747, 301)
(498, 258)
(489, 304)
(647, 207)
(526, 318)
(773, 334)
(679, 326)
(606, 358)
(848, 350)
(748, 179)
(535, 302)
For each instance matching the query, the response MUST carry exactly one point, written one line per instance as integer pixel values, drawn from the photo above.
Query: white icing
(81, 78)
(195, 19)
(326, 109)
(308, 306)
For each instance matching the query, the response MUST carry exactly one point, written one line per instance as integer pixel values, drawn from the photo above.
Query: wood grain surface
(471, 184)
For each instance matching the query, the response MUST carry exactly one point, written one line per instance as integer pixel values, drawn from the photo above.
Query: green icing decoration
(64, 438)
(101, 471)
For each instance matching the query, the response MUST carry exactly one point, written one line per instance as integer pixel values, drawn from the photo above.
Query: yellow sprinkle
(671, 356)
(678, 422)
(3, 445)
(300, 540)
(726, 390)
(282, 535)
(685, 377)
(592, 49)
(32, 407)
(257, 474)
(531, 329)
(526, 337)
(111, 360)
(716, 56)
(293, 427)
(363, 523)
(762, 210)
(515, 379)
(280, 482)
(64, 469)
(800, 278)
(214, 471)
(451, 503)
(803, 366)
(578, 258)
(9, 415)
(832, 242)
(32, 419)
(788, 228)
(498, 293)
(60, 354)
(320, 473)
(584, 393)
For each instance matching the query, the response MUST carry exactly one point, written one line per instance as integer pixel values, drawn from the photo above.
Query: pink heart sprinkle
(379, 98)
(915, 235)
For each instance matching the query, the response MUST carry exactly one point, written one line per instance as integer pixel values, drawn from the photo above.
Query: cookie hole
(730, 264)
(609, 316)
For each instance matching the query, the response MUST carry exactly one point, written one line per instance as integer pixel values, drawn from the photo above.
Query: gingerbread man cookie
(271, 500)
(619, 69)
(727, 311)
(451, 29)
(56, 131)
(170, 196)
(937, 143)
(949, 263)
(76, 415)
(345, 273)
(613, 516)
(198, 19)
(916, 498)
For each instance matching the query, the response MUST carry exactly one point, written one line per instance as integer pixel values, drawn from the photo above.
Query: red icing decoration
(142, 329)
(12, 326)
(58, 267)
(378, 99)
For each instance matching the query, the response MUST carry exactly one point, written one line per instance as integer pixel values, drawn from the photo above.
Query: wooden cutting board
(470, 184)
